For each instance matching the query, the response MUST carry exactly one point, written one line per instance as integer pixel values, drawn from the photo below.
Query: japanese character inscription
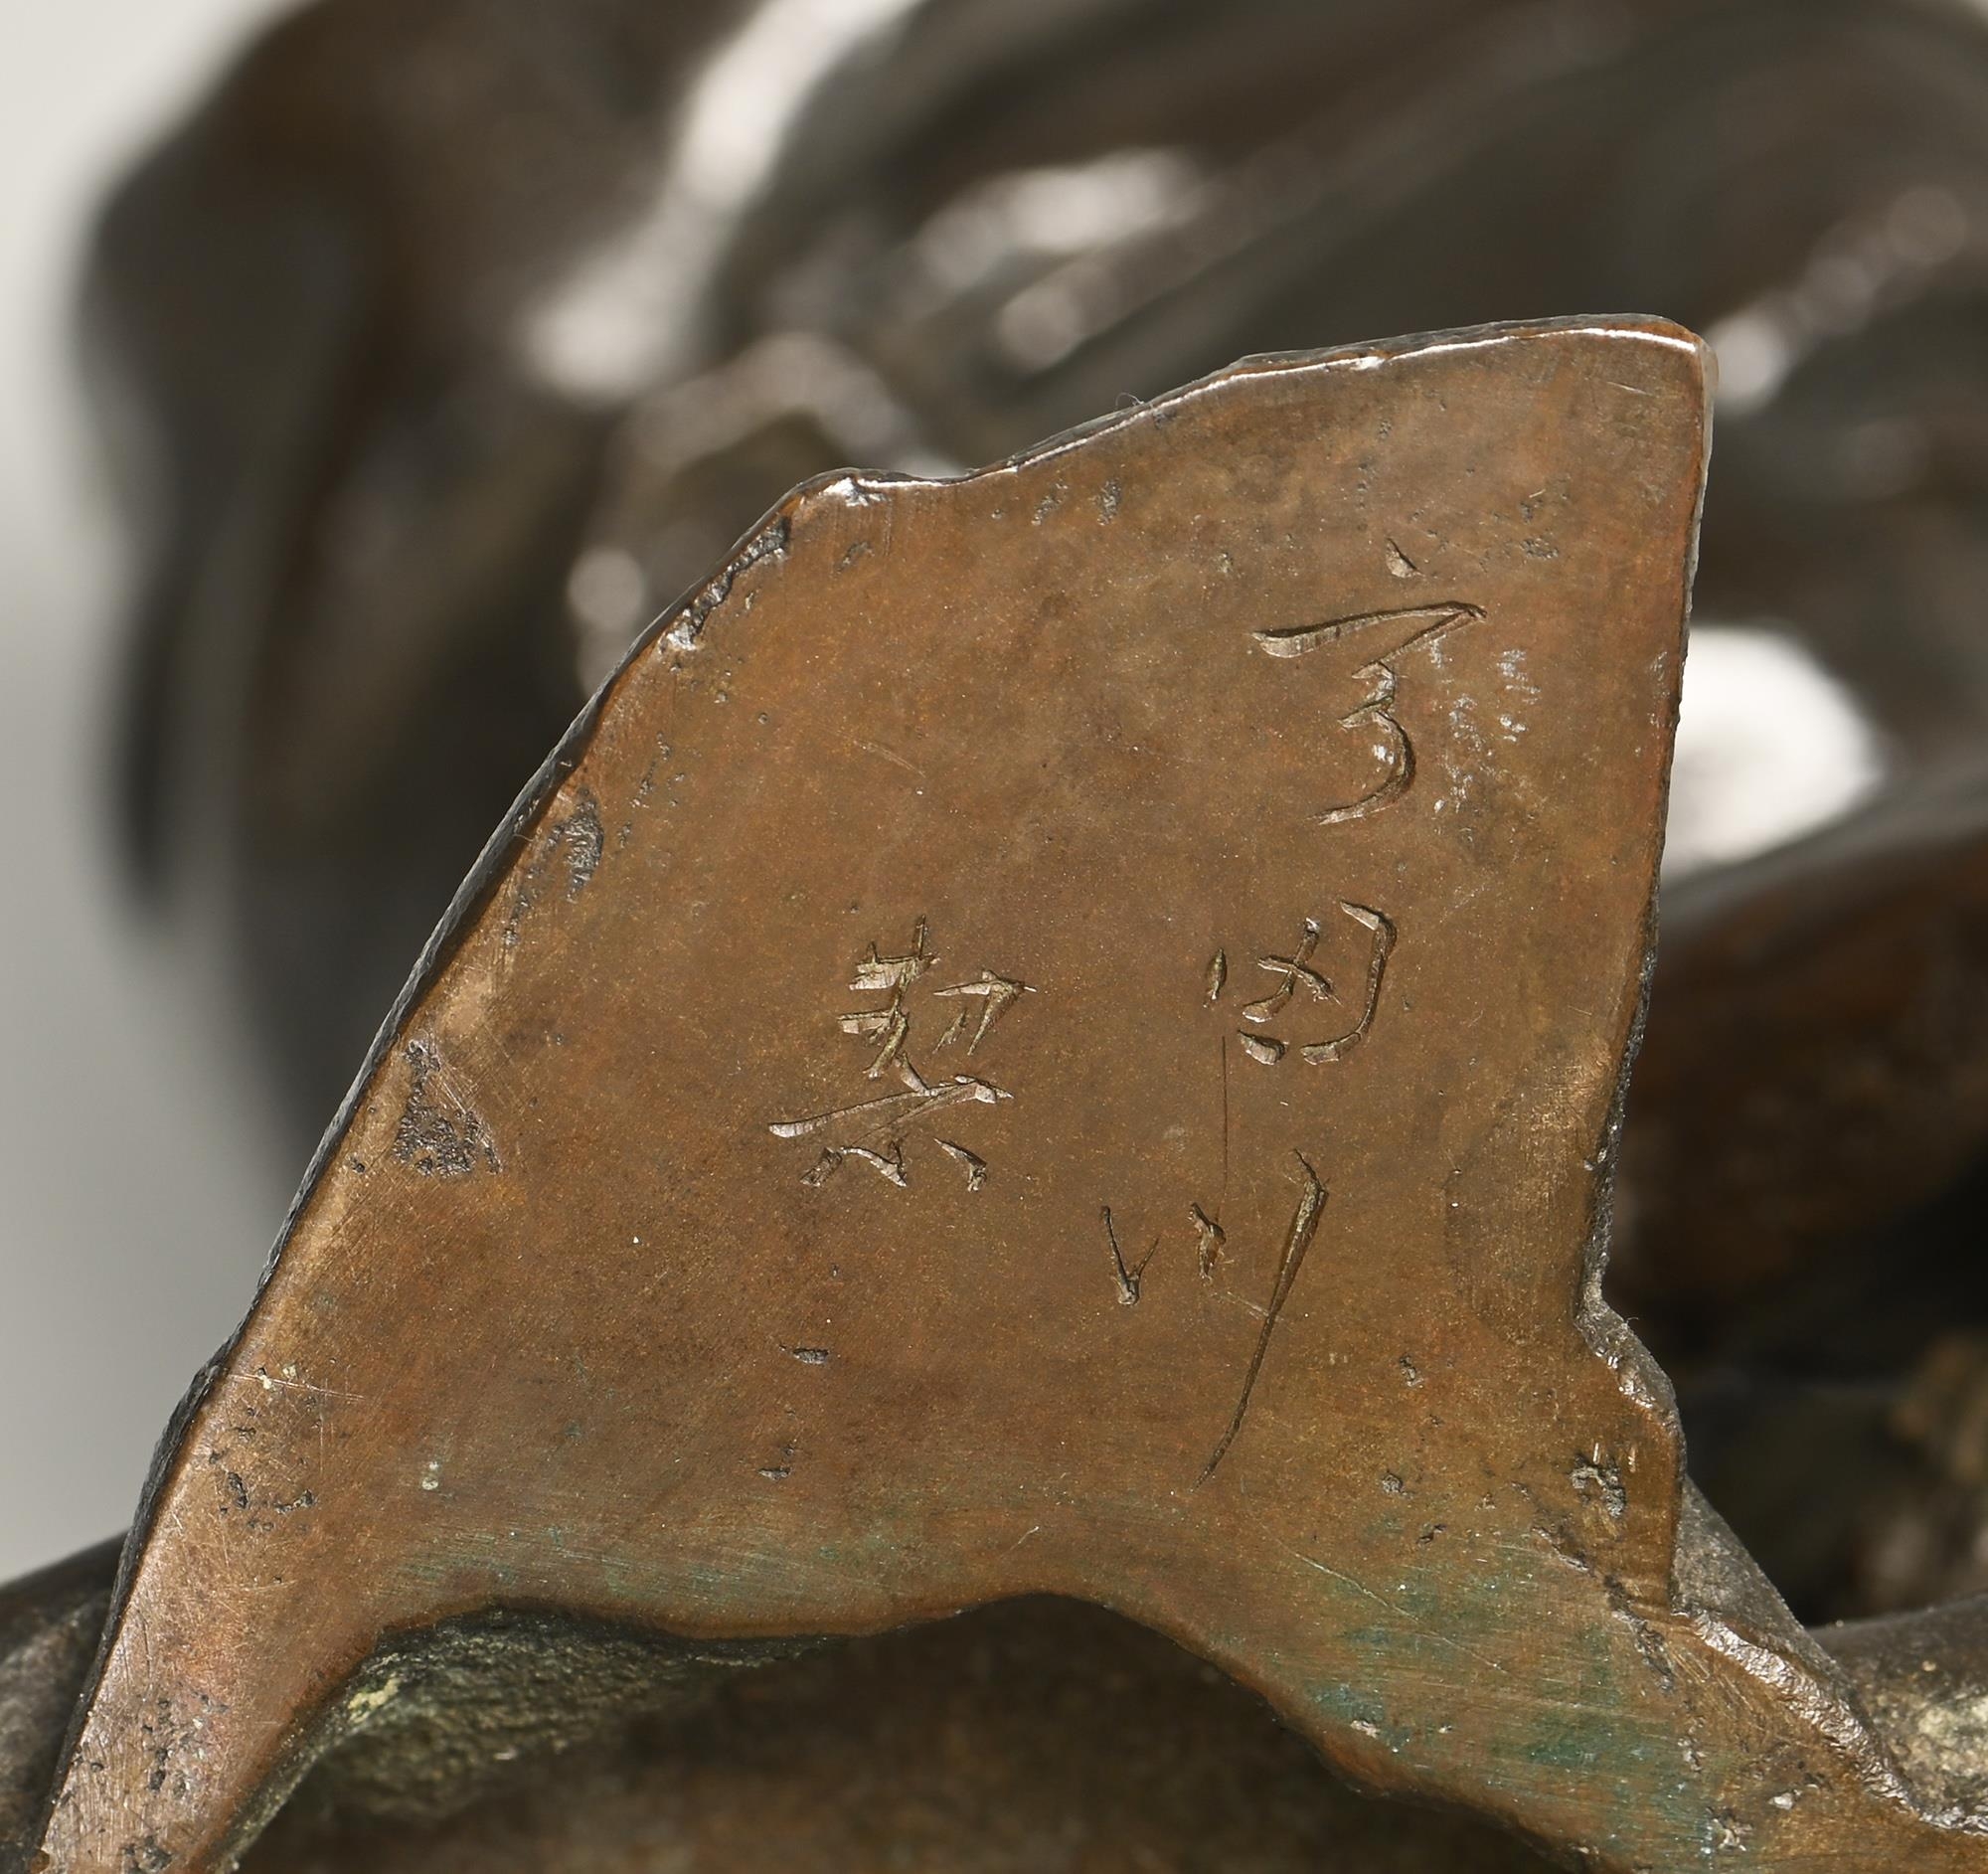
(1298, 981)
(1409, 628)
(874, 1132)
(1301, 1016)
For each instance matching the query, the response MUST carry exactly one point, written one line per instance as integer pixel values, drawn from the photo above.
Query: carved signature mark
(1293, 970)
(1210, 1241)
(996, 994)
(882, 1122)
(920, 1099)
(1304, 1226)
(1129, 1276)
(1321, 1053)
(889, 1027)
(872, 1131)
(972, 1164)
(896, 974)
(889, 1164)
(1297, 976)
(1422, 625)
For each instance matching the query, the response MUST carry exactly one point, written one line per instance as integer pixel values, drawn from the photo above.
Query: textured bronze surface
(1056, 1032)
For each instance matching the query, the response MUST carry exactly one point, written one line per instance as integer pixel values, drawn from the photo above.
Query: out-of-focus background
(430, 351)
(138, 1187)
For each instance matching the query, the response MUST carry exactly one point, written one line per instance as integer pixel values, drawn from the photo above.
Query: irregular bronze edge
(423, 1649)
(1605, 1331)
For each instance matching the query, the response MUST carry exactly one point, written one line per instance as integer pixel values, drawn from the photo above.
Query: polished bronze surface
(1057, 1032)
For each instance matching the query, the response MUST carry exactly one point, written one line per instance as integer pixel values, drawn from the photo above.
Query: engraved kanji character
(1296, 977)
(872, 1131)
(1422, 625)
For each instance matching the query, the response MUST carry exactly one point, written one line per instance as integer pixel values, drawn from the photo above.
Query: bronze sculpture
(619, 1312)
(1769, 1136)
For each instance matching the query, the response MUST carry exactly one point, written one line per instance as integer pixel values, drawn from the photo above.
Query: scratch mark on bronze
(883, 753)
(771, 541)
(581, 840)
(1304, 1226)
(1216, 976)
(439, 1134)
(1400, 1614)
(1597, 1481)
(286, 1381)
(1222, 1203)
(1254, 1309)
(584, 839)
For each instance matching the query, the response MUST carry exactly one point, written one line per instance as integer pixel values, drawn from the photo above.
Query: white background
(136, 1206)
